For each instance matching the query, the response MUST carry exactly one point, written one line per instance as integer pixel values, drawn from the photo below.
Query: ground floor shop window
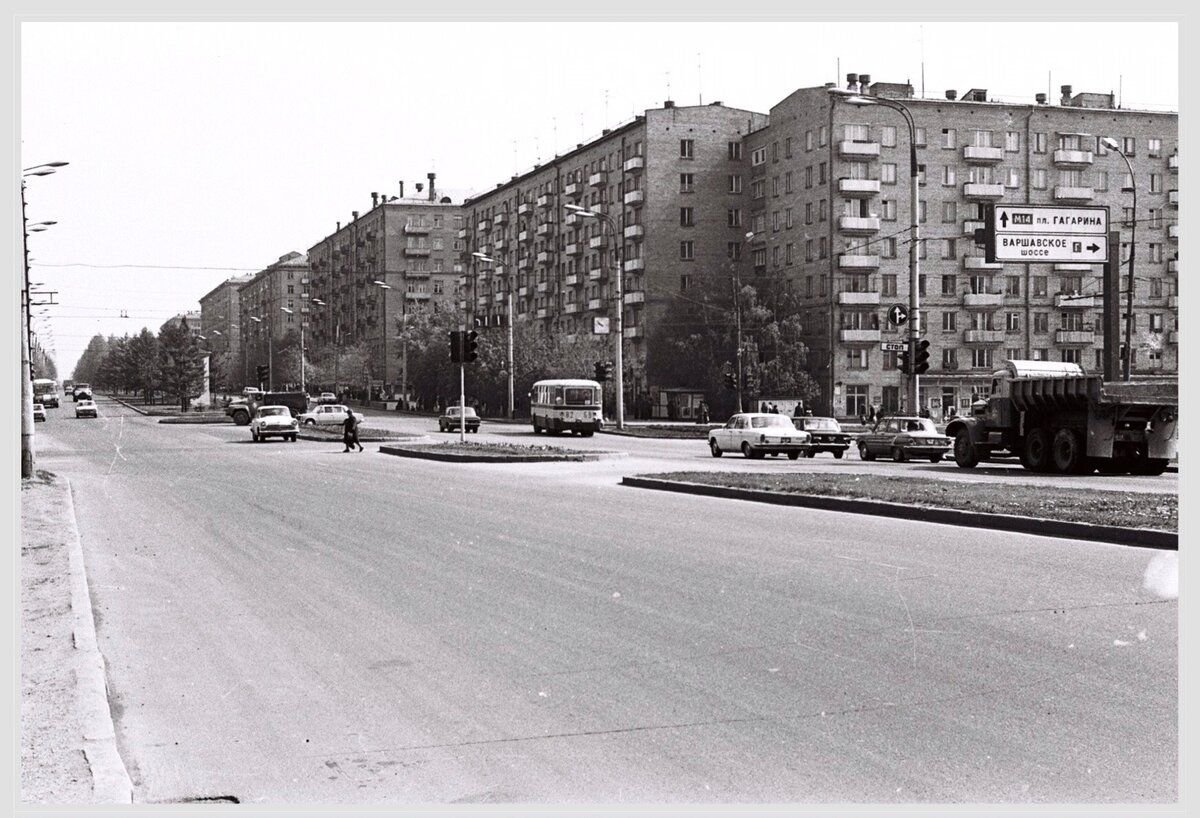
(856, 400)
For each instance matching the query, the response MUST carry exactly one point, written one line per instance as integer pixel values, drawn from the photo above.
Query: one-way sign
(1046, 234)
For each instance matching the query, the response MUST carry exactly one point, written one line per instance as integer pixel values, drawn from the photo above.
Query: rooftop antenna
(605, 108)
(668, 85)
(1120, 88)
(555, 121)
(699, 77)
(514, 157)
(922, 62)
(537, 148)
(582, 135)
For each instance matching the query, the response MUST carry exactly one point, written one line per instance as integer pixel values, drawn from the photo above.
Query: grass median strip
(1098, 507)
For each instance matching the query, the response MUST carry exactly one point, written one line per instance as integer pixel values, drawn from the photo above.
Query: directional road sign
(1038, 233)
(893, 346)
(898, 314)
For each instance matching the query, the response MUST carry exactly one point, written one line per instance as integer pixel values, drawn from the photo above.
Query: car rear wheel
(747, 452)
(714, 448)
(838, 454)
(864, 453)
(935, 458)
(795, 455)
(310, 422)
(899, 455)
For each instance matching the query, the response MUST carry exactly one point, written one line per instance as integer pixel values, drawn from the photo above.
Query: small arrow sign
(898, 314)
(1095, 248)
(1003, 219)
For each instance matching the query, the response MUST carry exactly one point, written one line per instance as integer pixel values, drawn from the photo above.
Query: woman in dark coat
(350, 432)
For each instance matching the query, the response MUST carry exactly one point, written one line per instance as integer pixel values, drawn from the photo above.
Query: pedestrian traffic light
(921, 359)
(264, 373)
(730, 381)
(601, 372)
(470, 346)
(903, 359)
(456, 346)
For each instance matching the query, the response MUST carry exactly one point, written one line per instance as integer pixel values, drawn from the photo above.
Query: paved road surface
(286, 623)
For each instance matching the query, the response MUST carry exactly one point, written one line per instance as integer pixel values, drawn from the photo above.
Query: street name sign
(1047, 234)
(893, 346)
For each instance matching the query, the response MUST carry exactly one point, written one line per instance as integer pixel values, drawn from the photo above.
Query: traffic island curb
(1140, 537)
(110, 780)
(431, 453)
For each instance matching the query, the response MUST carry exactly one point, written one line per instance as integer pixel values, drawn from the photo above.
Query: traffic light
(601, 372)
(730, 381)
(903, 359)
(264, 373)
(921, 359)
(608, 370)
(470, 346)
(456, 346)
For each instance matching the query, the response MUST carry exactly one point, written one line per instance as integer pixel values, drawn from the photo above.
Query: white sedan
(85, 408)
(273, 421)
(327, 415)
(39, 412)
(756, 434)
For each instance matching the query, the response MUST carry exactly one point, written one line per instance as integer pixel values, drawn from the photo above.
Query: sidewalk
(68, 746)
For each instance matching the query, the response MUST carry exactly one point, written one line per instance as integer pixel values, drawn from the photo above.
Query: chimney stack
(669, 104)
(852, 82)
(418, 186)
(401, 188)
(865, 82)
(432, 194)
(1041, 99)
(1066, 95)
(951, 94)
(374, 200)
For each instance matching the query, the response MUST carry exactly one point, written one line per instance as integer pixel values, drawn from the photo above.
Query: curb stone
(110, 780)
(453, 457)
(1141, 537)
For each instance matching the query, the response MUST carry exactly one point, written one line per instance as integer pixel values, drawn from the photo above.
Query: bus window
(558, 394)
(580, 395)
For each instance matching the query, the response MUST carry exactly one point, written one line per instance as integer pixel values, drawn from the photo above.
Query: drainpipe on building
(829, 260)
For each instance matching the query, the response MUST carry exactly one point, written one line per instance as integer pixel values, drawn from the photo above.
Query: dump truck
(242, 409)
(1056, 418)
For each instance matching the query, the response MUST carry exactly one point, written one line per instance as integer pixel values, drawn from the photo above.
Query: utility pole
(27, 453)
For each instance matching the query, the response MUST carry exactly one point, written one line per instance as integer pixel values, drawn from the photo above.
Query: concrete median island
(1150, 520)
(494, 453)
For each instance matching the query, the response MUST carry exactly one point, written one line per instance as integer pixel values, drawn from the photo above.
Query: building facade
(192, 318)
(262, 320)
(829, 206)
(397, 259)
(670, 186)
(220, 316)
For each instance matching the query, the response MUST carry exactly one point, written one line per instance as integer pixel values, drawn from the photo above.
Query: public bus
(566, 405)
(45, 392)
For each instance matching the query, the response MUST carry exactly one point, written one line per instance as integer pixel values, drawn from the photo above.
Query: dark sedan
(827, 436)
(902, 438)
(451, 420)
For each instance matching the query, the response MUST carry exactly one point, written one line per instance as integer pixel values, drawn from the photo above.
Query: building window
(687, 183)
(1012, 178)
(1129, 145)
(774, 151)
(788, 254)
(788, 219)
(1071, 356)
(1039, 143)
(685, 281)
(1012, 141)
(1156, 288)
(758, 157)
(735, 183)
(1100, 180)
(1012, 322)
(787, 147)
(687, 149)
(823, 248)
(922, 217)
(856, 359)
(949, 285)
(775, 186)
(775, 221)
(1154, 147)
(949, 138)
(735, 217)
(734, 250)
(808, 140)
(787, 182)
(949, 358)
(887, 173)
(735, 151)
(1038, 179)
(1156, 253)
(808, 284)
(981, 358)
(760, 259)
(821, 174)
(889, 248)
(821, 212)
(687, 251)
(948, 176)
(920, 134)
(758, 188)
(949, 212)
(887, 210)
(949, 322)
(1156, 322)
(888, 284)
(686, 217)
(1156, 183)
(1040, 286)
(1041, 322)
(856, 400)
(823, 136)
(887, 136)
(808, 251)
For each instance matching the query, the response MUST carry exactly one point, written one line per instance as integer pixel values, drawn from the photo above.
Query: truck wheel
(964, 450)
(863, 453)
(1068, 452)
(241, 418)
(793, 455)
(1036, 454)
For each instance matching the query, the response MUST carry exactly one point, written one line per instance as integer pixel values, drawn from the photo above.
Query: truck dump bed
(1078, 390)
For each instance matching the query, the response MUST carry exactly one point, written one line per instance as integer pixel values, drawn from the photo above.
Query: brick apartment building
(407, 244)
(262, 322)
(220, 316)
(829, 203)
(670, 181)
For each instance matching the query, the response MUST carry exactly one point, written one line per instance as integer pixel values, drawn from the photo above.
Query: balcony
(635, 231)
(970, 226)
(1071, 266)
(858, 225)
(542, 312)
(1173, 163)
(859, 336)
(985, 191)
(858, 262)
(858, 188)
(462, 233)
(543, 257)
(598, 179)
(481, 301)
(574, 249)
(981, 263)
(545, 200)
(632, 332)
(545, 229)
(416, 296)
(1073, 159)
(1173, 337)
(596, 242)
(573, 190)
(979, 155)
(1074, 336)
(982, 300)
(637, 297)
(417, 273)
(1172, 198)
(572, 219)
(634, 265)
(543, 286)
(500, 245)
(594, 304)
(858, 151)
(635, 198)
(1065, 193)
(416, 252)
(524, 236)
(1173, 302)
(571, 280)
(571, 308)
(983, 336)
(483, 226)
(524, 209)
(1173, 266)
(1173, 232)
(848, 299)
(595, 274)
(522, 292)
(525, 262)
(635, 164)
(1074, 301)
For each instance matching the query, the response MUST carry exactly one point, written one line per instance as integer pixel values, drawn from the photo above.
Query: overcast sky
(226, 145)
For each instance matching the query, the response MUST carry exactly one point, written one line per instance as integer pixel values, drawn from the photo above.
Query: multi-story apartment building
(397, 259)
(262, 320)
(191, 318)
(220, 317)
(829, 206)
(670, 184)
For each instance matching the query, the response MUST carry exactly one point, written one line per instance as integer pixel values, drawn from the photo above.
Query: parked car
(332, 414)
(901, 438)
(827, 435)
(327, 397)
(39, 412)
(451, 421)
(85, 408)
(756, 434)
(273, 421)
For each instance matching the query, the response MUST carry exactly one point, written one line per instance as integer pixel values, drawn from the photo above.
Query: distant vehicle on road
(39, 412)
(242, 410)
(756, 434)
(827, 435)
(451, 420)
(328, 415)
(273, 421)
(82, 391)
(327, 397)
(45, 392)
(567, 405)
(902, 438)
(85, 408)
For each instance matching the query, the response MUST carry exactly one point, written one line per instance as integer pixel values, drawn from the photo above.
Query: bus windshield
(580, 396)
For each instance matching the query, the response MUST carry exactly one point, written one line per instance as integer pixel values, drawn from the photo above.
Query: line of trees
(170, 363)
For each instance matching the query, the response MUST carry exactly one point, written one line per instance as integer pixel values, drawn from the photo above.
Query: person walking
(350, 432)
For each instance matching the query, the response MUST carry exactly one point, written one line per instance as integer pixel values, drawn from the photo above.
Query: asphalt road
(285, 623)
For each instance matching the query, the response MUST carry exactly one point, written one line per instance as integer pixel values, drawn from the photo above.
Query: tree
(181, 366)
(140, 367)
(89, 362)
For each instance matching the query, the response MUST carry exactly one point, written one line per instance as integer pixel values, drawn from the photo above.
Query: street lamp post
(914, 263)
(383, 285)
(1126, 366)
(508, 322)
(618, 317)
